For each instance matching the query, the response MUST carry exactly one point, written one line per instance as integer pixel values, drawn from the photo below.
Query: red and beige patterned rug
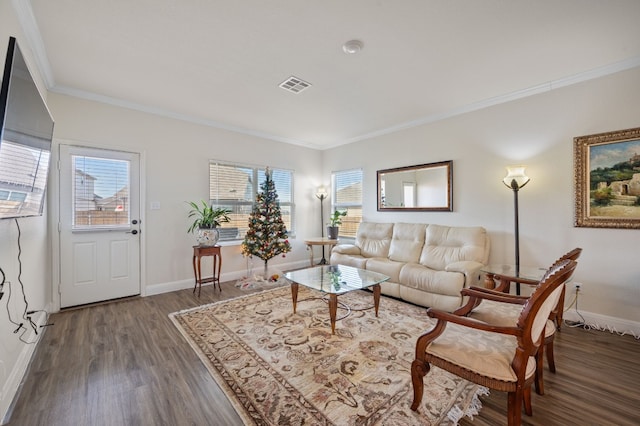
(280, 368)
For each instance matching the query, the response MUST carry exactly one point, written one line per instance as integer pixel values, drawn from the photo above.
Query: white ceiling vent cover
(295, 84)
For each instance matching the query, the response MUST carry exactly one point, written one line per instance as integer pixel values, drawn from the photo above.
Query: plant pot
(208, 237)
(332, 232)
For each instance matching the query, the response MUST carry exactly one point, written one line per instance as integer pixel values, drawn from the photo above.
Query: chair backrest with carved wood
(542, 301)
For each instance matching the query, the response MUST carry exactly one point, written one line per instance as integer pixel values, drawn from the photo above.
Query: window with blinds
(23, 178)
(234, 187)
(346, 195)
(100, 192)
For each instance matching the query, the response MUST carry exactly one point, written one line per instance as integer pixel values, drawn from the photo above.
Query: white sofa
(427, 264)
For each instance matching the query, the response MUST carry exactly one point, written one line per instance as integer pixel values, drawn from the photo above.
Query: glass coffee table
(333, 280)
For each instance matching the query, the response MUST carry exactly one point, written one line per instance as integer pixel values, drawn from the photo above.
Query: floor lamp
(516, 179)
(321, 194)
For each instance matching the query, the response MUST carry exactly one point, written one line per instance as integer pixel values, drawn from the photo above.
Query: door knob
(134, 232)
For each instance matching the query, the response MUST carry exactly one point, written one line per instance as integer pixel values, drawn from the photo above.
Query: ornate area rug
(280, 368)
(254, 282)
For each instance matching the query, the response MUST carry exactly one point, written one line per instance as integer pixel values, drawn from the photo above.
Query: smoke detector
(352, 47)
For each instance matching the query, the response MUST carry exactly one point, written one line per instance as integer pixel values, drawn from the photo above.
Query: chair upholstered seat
(485, 353)
(499, 357)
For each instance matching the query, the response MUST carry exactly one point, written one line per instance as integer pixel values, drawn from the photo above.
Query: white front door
(99, 225)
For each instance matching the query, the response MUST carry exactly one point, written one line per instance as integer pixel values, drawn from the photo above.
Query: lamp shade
(321, 193)
(516, 177)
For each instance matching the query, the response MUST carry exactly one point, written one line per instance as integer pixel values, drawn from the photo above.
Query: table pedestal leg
(199, 278)
(310, 248)
(376, 297)
(294, 295)
(333, 311)
(217, 267)
(195, 273)
(488, 281)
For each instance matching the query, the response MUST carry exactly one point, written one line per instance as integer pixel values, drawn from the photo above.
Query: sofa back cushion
(407, 242)
(446, 244)
(374, 239)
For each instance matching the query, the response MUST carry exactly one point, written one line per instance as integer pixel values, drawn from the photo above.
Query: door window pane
(100, 192)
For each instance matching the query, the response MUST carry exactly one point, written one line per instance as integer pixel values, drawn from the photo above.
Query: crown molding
(603, 71)
(91, 96)
(34, 40)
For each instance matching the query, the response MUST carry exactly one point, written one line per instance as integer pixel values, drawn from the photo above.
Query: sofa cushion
(446, 244)
(355, 261)
(432, 300)
(374, 239)
(346, 249)
(416, 276)
(386, 267)
(407, 242)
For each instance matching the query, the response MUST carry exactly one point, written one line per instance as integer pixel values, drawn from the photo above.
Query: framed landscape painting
(607, 179)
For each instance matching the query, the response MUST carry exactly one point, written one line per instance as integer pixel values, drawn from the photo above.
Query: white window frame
(352, 222)
(256, 181)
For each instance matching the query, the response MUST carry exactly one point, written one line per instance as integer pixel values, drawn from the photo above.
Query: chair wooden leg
(514, 408)
(527, 401)
(549, 350)
(418, 370)
(539, 383)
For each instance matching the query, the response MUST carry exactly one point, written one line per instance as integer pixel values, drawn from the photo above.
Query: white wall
(35, 259)
(537, 131)
(176, 165)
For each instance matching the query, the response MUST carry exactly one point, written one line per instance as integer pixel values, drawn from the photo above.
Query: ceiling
(220, 63)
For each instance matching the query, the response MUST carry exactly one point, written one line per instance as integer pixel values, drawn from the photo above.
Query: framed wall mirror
(424, 187)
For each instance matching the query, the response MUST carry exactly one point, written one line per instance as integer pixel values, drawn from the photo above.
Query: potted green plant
(206, 220)
(335, 220)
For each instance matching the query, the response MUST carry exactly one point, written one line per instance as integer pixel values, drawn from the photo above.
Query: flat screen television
(26, 131)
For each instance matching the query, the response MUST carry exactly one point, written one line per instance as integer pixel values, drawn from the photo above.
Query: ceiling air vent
(294, 84)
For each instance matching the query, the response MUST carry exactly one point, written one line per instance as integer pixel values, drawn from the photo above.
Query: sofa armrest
(346, 249)
(469, 268)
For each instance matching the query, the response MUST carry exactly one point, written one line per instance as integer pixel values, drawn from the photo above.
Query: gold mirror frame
(604, 189)
(425, 187)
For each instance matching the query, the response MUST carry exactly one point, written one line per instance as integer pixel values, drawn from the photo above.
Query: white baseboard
(154, 289)
(604, 322)
(224, 277)
(14, 381)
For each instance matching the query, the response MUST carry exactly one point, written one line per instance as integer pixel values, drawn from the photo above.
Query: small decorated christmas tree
(267, 234)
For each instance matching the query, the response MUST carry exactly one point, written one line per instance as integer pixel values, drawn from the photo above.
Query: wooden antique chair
(499, 357)
(504, 285)
(507, 312)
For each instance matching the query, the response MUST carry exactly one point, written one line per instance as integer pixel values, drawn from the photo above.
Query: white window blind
(234, 187)
(100, 192)
(346, 195)
(23, 177)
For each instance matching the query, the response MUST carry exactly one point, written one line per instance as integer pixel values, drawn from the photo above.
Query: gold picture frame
(607, 178)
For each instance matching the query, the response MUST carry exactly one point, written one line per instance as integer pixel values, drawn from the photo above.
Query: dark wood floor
(124, 363)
